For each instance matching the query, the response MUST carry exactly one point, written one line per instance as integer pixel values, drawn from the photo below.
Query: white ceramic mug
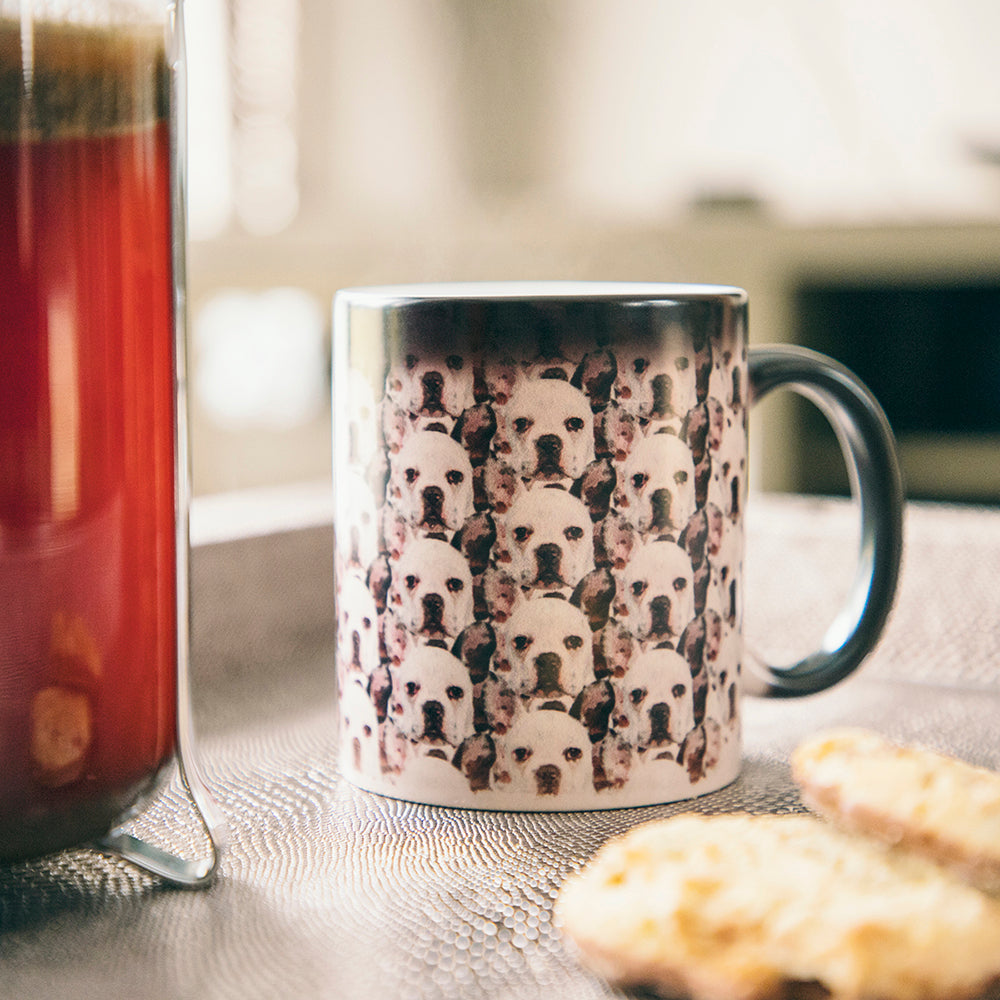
(540, 492)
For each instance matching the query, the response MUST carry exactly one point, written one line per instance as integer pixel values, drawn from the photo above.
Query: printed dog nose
(663, 389)
(548, 557)
(433, 606)
(433, 720)
(549, 444)
(548, 449)
(547, 666)
(659, 609)
(433, 503)
(659, 717)
(547, 779)
(433, 386)
(660, 502)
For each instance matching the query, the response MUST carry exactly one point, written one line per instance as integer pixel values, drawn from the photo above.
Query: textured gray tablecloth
(331, 892)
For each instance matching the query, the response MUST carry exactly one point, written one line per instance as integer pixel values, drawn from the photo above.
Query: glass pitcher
(93, 484)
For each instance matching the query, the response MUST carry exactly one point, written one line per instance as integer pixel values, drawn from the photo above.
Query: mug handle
(869, 451)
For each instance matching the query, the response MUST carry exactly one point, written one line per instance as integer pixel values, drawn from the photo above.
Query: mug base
(451, 790)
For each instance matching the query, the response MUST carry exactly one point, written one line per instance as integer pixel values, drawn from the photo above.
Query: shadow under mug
(540, 494)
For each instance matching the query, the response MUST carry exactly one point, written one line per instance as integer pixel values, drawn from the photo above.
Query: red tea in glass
(88, 602)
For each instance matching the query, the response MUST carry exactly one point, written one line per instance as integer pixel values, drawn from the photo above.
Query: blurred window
(243, 114)
(261, 359)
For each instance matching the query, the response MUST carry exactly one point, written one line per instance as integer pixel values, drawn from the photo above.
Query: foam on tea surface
(62, 80)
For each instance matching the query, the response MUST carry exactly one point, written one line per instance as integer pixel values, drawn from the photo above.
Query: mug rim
(649, 292)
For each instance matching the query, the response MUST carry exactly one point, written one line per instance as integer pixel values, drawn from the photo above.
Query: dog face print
(657, 493)
(361, 423)
(359, 728)
(728, 468)
(657, 596)
(657, 700)
(550, 540)
(431, 482)
(357, 628)
(431, 590)
(432, 387)
(549, 651)
(726, 382)
(673, 385)
(549, 427)
(658, 386)
(431, 698)
(548, 754)
(357, 517)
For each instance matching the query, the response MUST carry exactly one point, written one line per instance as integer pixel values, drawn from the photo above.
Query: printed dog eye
(455, 693)
(454, 585)
(521, 754)
(412, 688)
(572, 754)
(366, 622)
(683, 363)
(680, 477)
(637, 696)
(522, 534)
(521, 643)
(640, 365)
(411, 475)
(454, 477)
(454, 362)
(411, 361)
(639, 480)
(522, 425)
(639, 588)
(573, 642)
(411, 582)
(678, 690)
(573, 533)
(574, 425)
(680, 584)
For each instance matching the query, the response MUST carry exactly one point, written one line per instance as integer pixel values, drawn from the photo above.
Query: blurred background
(840, 160)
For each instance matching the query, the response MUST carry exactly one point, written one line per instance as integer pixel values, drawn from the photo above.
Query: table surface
(327, 891)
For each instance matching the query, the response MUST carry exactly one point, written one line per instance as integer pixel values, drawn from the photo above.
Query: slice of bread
(739, 907)
(922, 801)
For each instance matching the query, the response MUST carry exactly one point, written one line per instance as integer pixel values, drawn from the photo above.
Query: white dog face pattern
(538, 573)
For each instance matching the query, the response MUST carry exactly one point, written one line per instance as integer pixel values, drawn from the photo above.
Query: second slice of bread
(922, 801)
